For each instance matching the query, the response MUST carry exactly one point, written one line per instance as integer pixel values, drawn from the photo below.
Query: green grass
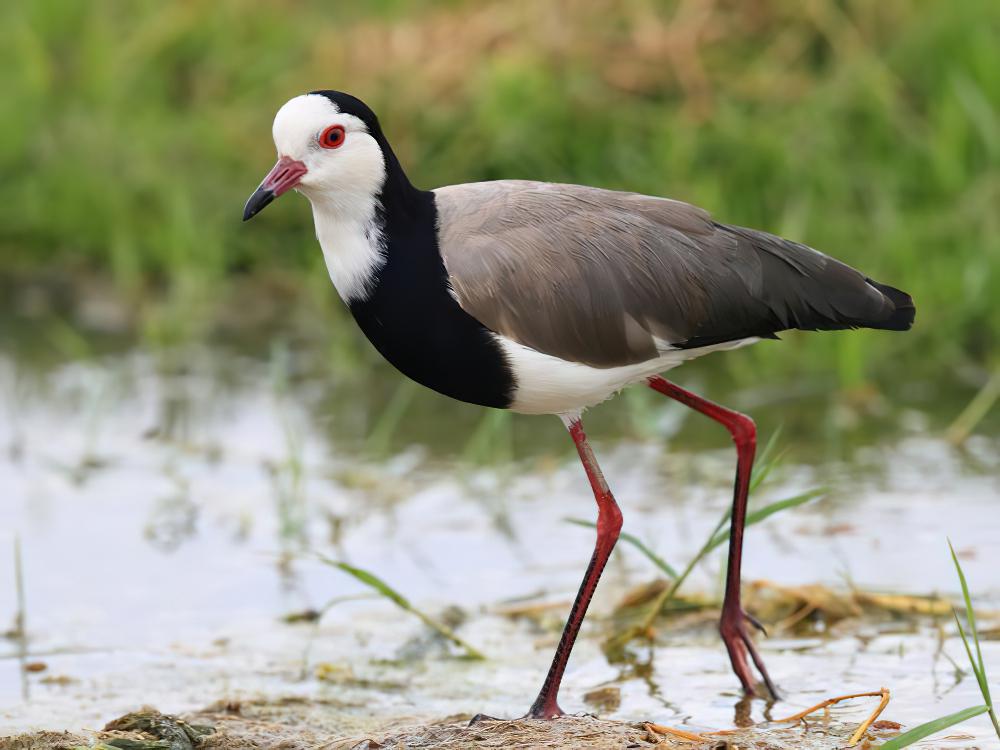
(933, 727)
(385, 590)
(131, 134)
(978, 669)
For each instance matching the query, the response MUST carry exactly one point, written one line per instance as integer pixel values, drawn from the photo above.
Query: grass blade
(933, 727)
(635, 542)
(970, 616)
(373, 581)
(766, 461)
(20, 631)
(980, 677)
(959, 430)
(978, 666)
(756, 516)
(388, 421)
(717, 537)
(492, 440)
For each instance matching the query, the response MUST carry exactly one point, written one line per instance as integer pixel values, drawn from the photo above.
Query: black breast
(417, 325)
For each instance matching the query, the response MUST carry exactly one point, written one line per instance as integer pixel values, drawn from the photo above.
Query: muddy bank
(295, 724)
(671, 697)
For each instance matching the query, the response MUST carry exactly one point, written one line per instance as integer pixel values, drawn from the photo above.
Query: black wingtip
(904, 311)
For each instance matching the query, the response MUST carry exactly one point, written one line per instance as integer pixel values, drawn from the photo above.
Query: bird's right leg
(609, 524)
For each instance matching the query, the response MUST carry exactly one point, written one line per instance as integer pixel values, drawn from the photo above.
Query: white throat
(353, 246)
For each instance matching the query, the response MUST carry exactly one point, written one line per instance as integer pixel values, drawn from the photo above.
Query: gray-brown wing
(608, 278)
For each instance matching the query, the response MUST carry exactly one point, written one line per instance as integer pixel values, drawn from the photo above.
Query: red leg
(733, 625)
(609, 524)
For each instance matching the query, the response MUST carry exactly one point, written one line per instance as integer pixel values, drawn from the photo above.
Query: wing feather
(609, 278)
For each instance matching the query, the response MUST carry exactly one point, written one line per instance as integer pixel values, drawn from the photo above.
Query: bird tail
(901, 319)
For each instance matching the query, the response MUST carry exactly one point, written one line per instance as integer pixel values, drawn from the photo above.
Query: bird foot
(736, 636)
(545, 714)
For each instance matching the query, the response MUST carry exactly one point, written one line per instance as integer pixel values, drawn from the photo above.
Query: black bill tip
(260, 198)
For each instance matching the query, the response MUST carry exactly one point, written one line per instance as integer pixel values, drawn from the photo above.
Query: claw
(756, 623)
(773, 694)
(740, 645)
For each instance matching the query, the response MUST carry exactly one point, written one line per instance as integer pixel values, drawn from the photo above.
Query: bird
(547, 298)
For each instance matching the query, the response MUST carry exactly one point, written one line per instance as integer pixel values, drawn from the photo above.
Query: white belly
(550, 385)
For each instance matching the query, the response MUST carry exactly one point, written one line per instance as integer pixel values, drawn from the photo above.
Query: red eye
(332, 137)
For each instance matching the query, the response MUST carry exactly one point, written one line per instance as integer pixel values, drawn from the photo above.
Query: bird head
(330, 149)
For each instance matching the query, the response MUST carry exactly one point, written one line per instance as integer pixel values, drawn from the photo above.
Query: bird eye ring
(332, 137)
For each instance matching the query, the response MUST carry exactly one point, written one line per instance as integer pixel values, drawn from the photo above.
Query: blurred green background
(132, 133)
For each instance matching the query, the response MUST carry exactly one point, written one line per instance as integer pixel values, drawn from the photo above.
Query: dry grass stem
(680, 733)
(860, 732)
(882, 693)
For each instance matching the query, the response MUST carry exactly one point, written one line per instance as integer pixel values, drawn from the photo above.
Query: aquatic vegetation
(978, 668)
(715, 539)
(383, 588)
(933, 727)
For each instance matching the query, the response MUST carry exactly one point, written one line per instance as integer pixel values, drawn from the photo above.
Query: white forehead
(301, 119)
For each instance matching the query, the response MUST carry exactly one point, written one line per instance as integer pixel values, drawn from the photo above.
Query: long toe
(483, 719)
(742, 650)
(738, 658)
(772, 691)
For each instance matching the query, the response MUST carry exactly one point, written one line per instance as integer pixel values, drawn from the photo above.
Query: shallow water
(169, 517)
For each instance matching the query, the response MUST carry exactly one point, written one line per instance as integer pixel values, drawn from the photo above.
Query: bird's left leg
(609, 524)
(733, 625)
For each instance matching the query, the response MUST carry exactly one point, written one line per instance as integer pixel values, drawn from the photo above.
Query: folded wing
(608, 278)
